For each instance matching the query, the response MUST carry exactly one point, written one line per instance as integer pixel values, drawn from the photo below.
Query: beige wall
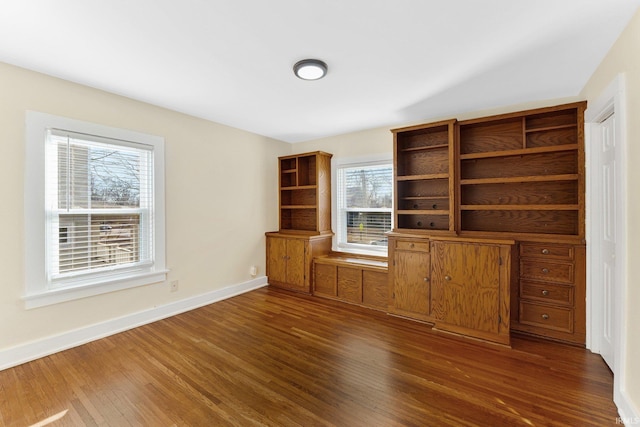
(623, 58)
(221, 196)
(379, 141)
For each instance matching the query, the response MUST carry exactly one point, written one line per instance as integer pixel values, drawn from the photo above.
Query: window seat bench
(352, 279)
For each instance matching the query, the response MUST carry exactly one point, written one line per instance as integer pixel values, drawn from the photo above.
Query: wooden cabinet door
(277, 259)
(466, 287)
(296, 263)
(411, 283)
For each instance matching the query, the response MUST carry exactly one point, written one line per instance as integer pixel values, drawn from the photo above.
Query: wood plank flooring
(272, 358)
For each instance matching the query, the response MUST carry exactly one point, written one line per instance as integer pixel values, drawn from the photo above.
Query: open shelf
(427, 147)
(513, 179)
(519, 152)
(563, 222)
(548, 128)
(423, 222)
(519, 207)
(423, 177)
(304, 197)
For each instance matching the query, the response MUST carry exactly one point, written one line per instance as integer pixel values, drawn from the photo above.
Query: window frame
(39, 290)
(339, 239)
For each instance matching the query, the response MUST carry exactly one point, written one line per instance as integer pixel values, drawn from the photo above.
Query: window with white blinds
(99, 198)
(364, 206)
(94, 209)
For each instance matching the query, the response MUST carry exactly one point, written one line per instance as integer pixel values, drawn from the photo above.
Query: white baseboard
(628, 411)
(34, 350)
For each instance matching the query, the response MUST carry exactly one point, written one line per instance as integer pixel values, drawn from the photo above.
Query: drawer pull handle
(435, 206)
(447, 278)
(545, 316)
(545, 270)
(419, 223)
(545, 292)
(545, 251)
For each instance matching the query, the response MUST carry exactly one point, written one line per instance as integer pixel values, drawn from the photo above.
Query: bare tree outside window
(366, 204)
(99, 192)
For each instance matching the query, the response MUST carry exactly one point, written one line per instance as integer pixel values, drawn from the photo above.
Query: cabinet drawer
(556, 318)
(547, 271)
(412, 246)
(547, 292)
(541, 250)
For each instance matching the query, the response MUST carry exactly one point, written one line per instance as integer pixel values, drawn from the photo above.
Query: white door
(610, 186)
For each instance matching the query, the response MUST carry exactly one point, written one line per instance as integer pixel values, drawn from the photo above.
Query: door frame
(611, 101)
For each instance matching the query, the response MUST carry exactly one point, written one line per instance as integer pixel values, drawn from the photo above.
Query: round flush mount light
(310, 69)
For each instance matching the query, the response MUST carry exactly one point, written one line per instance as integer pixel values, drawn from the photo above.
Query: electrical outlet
(173, 286)
(253, 270)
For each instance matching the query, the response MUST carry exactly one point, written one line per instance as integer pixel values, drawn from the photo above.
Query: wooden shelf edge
(516, 179)
(424, 198)
(422, 177)
(423, 212)
(298, 207)
(519, 207)
(519, 152)
(424, 148)
(526, 237)
(299, 187)
(547, 128)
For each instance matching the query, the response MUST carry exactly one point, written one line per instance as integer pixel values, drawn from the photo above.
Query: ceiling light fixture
(310, 69)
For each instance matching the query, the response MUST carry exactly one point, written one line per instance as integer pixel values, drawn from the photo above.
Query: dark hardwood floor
(273, 358)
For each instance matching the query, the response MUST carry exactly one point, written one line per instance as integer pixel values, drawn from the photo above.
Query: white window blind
(364, 204)
(99, 205)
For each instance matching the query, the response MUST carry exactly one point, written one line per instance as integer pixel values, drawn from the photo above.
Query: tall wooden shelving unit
(304, 220)
(522, 175)
(424, 186)
(515, 181)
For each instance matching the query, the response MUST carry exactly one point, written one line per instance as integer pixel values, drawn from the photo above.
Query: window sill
(359, 251)
(55, 296)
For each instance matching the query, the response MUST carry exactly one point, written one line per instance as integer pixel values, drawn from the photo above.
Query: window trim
(37, 291)
(369, 160)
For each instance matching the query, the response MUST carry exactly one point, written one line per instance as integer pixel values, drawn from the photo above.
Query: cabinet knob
(545, 251)
(545, 270)
(545, 292)
(545, 316)
(447, 278)
(412, 245)
(435, 206)
(426, 279)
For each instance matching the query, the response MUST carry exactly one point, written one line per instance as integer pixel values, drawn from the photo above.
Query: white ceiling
(391, 62)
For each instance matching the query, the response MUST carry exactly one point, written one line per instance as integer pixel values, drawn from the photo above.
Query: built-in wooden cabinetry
(517, 177)
(305, 220)
(356, 280)
(470, 286)
(423, 173)
(460, 285)
(523, 173)
(489, 233)
(552, 290)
